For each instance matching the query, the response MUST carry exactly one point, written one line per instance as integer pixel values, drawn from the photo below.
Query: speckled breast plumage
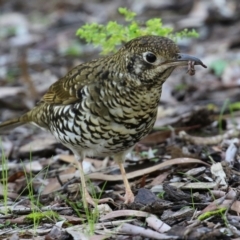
(108, 119)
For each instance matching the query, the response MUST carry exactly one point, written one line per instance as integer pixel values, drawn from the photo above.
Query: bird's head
(151, 59)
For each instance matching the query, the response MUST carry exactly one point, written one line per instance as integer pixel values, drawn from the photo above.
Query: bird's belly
(98, 136)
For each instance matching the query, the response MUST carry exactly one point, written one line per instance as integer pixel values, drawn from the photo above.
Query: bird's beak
(183, 59)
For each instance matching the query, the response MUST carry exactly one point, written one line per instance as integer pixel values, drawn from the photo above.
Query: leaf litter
(185, 174)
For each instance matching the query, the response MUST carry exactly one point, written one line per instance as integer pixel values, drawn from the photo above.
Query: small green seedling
(42, 216)
(218, 212)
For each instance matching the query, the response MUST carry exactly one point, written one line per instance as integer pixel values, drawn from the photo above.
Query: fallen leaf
(124, 213)
(139, 173)
(194, 185)
(217, 171)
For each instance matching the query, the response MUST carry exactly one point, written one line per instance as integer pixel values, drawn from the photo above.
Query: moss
(41, 216)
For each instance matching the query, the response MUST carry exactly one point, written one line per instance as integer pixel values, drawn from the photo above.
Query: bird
(105, 106)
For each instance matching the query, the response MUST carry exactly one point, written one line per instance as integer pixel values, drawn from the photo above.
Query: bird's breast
(106, 123)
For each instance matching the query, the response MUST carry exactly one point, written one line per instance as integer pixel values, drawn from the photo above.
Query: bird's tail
(13, 123)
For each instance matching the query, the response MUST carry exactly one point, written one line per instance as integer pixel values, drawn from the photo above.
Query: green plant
(218, 212)
(192, 197)
(223, 109)
(91, 216)
(197, 180)
(4, 179)
(6, 224)
(161, 194)
(112, 35)
(35, 216)
(41, 216)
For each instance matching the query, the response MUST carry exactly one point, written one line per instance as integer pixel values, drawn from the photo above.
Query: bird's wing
(67, 89)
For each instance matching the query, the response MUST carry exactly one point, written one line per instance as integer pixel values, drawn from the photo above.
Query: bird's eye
(149, 57)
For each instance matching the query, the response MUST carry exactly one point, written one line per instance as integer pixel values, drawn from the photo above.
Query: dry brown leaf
(218, 193)
(54, 185)
(16, 175)
(142, 172)
(222, 202)
(235, 206)
(68, 170)
(67, 158)
(160, 178)
(72, 219)
(71, 159)
(18, 220)
(10, 194)
(38, 145)
(195, 185)
(213, 205)
(124, 213)
(161, 136)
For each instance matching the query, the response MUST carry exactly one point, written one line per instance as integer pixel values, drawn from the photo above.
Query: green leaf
(234, 106)
(129, 15)
(112, 35)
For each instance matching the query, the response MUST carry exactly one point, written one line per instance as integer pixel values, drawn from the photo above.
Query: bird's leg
(129, 196)
(86, 198)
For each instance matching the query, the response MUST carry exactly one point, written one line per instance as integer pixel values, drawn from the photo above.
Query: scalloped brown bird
(104, 107)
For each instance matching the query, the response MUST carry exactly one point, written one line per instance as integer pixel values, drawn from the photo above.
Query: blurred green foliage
(109, 37)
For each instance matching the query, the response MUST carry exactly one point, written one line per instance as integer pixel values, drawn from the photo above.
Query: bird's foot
(128, 197)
